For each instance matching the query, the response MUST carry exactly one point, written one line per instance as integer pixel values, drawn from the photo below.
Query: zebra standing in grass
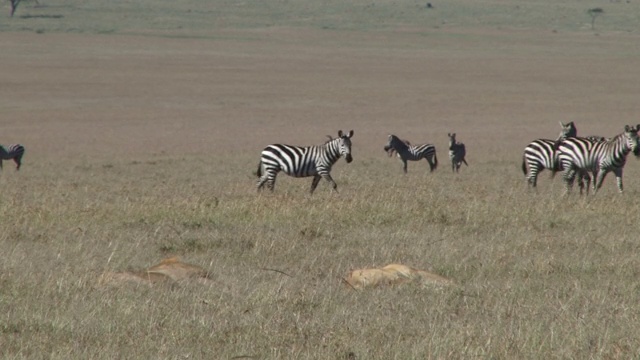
(298, 161)
(597, 158)
(15, 152)
(457, 152)
(540, 154)
(412, 152)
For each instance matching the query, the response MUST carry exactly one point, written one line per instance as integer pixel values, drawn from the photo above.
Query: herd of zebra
(589, 158)
(12, 152)
(316, 161)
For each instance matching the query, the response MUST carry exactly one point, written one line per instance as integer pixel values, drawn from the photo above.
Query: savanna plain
(143, 124)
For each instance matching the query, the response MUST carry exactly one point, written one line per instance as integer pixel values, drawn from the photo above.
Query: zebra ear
(627, 128)
(350, 133)
(339, 133)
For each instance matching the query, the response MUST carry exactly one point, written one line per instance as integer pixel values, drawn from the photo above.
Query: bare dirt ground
(65, 95)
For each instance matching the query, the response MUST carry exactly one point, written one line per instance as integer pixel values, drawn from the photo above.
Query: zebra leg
(532, 179)
(587, 179)
(581, 184)
(404, 165)
(18, 161)
(568, 177)
(330, 180)
(314, 183)
(599, 180)
(268, 178)
(432, 166)
(618, 173)
(261, 181)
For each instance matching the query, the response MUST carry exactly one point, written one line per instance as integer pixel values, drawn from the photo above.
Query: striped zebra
(540, 154)
(412, 152)
(12, 152)
(298, 161)
(597, 158)
(457, 152)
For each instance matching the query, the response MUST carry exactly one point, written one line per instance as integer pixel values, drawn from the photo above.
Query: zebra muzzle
(348, 158)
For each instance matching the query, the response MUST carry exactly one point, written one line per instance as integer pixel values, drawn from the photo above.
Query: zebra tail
(259, 172)
(555, 169)
(524, 166)
(435, 161)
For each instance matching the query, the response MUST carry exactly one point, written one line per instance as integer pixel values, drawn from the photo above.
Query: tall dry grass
(538, 274)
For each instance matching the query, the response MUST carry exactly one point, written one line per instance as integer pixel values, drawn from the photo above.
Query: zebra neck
(331, 151)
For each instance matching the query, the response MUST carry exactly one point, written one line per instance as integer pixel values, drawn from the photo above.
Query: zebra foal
(12, 152)
(457, 152)
(304, 161)
(597, 157)
(408, 152)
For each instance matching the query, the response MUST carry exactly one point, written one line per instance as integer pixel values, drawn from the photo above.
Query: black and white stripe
(12, 152)
(408, 152)
(298, 161)
(540, 154)
(597, 158)
(457, 152)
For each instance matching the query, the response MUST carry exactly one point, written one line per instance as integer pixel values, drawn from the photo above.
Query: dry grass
(143, 147)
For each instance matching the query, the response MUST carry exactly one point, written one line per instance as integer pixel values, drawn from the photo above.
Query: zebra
(298, 161)
(597, 158)
(457, 152)
(540, 154)
(15, 152)
(408, 152)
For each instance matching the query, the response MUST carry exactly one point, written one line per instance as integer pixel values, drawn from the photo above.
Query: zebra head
(568, 130)
(344, 145)
(631, 139)
(394, 144)
(452, 140)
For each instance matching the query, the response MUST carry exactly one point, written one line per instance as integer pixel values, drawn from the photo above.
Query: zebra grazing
(540, 154)
(457, 152)
(597, 158)
(408, 152)
(15, 152)
(298, 161)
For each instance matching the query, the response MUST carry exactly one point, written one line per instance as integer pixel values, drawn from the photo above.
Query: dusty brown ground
(111, 95)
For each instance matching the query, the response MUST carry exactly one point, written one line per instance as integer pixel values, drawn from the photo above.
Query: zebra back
(596, 153)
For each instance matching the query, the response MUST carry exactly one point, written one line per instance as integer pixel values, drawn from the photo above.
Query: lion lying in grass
(393, 274)
(169, 270)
